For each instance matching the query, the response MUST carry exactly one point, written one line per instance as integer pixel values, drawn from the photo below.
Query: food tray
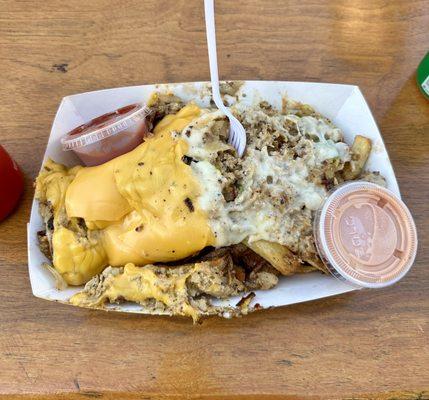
(343, 104)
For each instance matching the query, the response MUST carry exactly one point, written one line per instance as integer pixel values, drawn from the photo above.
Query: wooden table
(368, 344)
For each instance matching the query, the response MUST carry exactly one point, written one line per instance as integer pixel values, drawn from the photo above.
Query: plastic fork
(237, 134)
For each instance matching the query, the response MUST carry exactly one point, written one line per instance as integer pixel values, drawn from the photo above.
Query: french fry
(305, 268)
(280, 257)
(316, 263)
(360, 152)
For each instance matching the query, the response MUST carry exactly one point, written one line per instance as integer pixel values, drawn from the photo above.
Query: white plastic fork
(237, 134)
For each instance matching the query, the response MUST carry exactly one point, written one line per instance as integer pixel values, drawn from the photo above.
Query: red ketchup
(109, 135)
(11, 184)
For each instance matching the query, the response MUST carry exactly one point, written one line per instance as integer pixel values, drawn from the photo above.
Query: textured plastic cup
(365, 235)
(109, 135)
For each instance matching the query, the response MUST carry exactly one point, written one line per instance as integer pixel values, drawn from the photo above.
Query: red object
(109, 135)
(11, 184)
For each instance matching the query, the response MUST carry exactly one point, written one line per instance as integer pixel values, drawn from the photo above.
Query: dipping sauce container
(365, 235)
(109, 135)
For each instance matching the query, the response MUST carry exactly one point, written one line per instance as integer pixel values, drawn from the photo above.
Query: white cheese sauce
(253, 214)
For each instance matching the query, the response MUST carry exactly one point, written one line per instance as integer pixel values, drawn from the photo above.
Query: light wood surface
(368, 344)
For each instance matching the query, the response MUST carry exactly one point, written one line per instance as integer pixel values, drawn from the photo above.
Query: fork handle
(211, 45)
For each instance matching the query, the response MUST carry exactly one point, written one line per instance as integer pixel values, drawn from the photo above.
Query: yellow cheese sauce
(138, 284)
(141, 207)
(52, 183)
(149, 206)
(167, 223)
(77, 259)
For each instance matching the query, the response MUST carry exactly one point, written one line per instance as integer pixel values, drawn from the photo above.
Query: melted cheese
(52, 183)
(142, 205)
(94, 196)
(166, 223)
(253, 215)
(149, 206)
(138, 284)
(77, 260)
(326, 137)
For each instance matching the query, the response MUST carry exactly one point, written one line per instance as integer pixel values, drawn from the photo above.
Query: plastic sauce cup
(365, 235)
(109, 135)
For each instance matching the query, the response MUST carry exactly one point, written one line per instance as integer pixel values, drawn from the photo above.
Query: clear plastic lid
(365, 235)
(104, 126)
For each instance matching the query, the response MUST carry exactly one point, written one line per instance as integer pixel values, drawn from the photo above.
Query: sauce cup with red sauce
(108, 136)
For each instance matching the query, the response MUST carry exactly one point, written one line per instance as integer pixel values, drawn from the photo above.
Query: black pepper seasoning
(189, 204)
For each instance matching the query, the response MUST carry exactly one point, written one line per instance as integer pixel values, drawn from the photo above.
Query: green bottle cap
(423, 75)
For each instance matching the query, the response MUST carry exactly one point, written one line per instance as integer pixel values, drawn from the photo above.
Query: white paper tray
(343, 104)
